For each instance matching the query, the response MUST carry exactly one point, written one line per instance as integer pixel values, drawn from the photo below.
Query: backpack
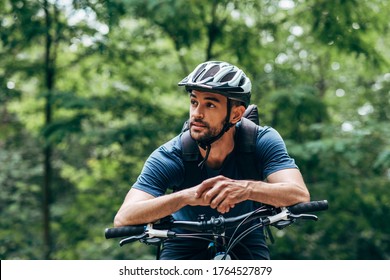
(245, 145)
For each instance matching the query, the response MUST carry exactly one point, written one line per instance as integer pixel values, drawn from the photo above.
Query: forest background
(88, 89)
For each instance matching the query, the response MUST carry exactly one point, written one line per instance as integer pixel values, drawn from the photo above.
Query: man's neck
(220, 149)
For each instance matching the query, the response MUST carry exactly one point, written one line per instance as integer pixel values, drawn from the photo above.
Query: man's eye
(210, 105)
(194, 102)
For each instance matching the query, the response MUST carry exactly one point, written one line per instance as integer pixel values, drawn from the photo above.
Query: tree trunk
(47, 153)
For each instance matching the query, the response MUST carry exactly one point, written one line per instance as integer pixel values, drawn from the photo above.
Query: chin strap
(206, 144)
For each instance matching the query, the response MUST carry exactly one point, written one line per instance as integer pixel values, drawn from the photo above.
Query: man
(219, 94)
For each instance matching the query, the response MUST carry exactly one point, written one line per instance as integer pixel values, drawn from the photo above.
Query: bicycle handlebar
(307, 207)
(271, 216)
(124, 231)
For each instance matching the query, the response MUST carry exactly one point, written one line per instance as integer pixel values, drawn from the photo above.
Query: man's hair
(236, 103)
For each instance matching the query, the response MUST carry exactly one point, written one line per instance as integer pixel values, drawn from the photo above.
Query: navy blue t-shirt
(164, 169)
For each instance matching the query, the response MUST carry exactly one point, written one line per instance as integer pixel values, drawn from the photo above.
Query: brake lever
(132, 239)
(303, 216)
(151, 241)
(283, 223)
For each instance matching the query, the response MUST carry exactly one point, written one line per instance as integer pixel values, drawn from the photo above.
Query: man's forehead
(207, 95)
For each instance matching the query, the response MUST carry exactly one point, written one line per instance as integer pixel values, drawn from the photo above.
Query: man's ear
(236, 114)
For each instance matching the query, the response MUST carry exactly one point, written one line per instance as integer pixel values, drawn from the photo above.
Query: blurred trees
(88, 90)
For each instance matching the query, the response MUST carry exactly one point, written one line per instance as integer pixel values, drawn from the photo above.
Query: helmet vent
(242, 81)
(228, 77)
(211, 72)
(200, 70)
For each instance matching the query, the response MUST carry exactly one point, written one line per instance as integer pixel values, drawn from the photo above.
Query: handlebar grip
(124, 231)
(312, 206)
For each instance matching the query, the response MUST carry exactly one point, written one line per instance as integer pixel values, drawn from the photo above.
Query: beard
(205, 132)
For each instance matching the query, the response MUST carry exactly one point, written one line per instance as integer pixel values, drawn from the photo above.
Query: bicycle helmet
(222, 78)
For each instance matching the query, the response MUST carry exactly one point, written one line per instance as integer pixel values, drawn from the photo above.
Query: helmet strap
(206, 144)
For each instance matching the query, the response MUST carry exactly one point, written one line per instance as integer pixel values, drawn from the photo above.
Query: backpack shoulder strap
(191, 159)
(246, 136)
(252, 113)
(190, 150)
(246, 146)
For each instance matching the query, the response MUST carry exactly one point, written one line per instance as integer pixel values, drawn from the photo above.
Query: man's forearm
(150, 210)
(283, 188)
(140, 207)
(278, 194)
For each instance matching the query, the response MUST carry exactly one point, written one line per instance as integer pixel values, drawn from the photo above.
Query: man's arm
(283, 188)
(140, 207)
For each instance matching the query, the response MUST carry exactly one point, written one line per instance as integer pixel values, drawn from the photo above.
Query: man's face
(207, 114)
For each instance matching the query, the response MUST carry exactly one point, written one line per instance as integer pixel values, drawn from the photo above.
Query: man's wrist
(183, 198)
(253, 189)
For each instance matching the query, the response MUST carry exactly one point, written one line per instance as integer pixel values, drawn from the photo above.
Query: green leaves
(345, 24)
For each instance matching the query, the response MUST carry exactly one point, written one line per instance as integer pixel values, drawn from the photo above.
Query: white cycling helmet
(222, 78)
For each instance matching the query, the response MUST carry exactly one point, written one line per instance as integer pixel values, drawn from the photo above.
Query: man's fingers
(225, 208)
(204, 186)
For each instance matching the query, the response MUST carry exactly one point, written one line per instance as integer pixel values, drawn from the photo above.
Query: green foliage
(340, 169)
(19, 193)
(295, 111)
(319, 74)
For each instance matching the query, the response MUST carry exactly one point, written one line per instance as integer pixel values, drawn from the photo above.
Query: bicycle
(213, 229)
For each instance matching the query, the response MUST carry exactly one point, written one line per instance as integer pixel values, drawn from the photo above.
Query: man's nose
(197, 113)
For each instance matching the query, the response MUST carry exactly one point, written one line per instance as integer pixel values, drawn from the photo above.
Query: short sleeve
(271, 152)
(162, 170)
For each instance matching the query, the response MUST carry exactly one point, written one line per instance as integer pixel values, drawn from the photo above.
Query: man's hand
(222, 193)
(191, 197)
